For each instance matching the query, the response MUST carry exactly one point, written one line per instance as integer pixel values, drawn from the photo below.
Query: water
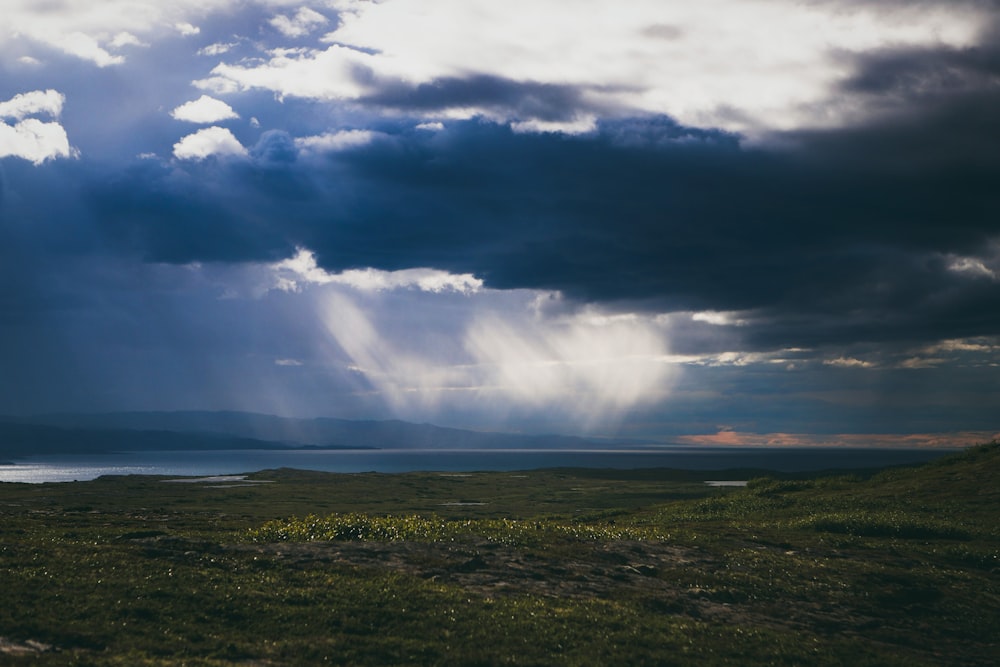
(204, 463)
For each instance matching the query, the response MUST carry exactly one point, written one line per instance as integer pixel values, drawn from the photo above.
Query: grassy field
(576, 567)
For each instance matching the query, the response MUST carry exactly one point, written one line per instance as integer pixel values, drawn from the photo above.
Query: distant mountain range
(197, 430)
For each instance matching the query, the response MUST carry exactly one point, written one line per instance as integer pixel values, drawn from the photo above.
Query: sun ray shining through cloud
(495, 359)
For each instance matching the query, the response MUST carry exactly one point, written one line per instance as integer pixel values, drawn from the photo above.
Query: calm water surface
(87, 467)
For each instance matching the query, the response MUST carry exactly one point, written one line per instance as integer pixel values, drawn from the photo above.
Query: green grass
(575, 567)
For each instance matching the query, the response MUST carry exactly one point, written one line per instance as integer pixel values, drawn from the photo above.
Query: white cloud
(87, 48)
(187, 29)
(719, 318)
(287, 362)
(30, 138)
(33, 140)
(331, 74)
(335, 141)
(790, 358)
(291, 274)
(914, 363)
(750, 65)
(302, 23)
(216, 49)
(425, 280)
(979, 352)
(87, 29)
(126, 39)
(972, 267)
(208, 141)
(581, 125)
(49, 102)
(205, 109)
(848, 362)
(985, 345)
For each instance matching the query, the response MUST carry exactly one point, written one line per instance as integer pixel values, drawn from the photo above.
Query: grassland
(576, 567)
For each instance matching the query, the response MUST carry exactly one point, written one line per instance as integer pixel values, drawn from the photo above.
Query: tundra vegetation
(574, 566)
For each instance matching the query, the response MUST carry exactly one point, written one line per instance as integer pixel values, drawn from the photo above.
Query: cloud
(216, 49)
(187, 29)
(532, 106)
(719, 319)
(848, 362)
(86, 47)
(30, 138)
(984, 345)
(987, 265)
(972, 267)
(670, 58)
(301, 23)
(87, 30)
(579, 125)
(335, 141)
(205, 109)
(49, 102)
(290, 274)
(798, 247)
(426, 280)
(34, 141)
(333, 74)
(126, 39)
(209, 141)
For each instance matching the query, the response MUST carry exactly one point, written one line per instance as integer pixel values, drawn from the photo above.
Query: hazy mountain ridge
(193, 430)
(20, 439)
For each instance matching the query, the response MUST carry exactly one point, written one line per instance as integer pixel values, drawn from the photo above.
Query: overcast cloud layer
(728, 221)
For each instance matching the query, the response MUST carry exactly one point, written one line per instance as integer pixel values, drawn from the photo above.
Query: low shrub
(367, 528)
(884, 524)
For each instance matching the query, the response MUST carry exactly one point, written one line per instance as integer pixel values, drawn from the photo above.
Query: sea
(68, 468)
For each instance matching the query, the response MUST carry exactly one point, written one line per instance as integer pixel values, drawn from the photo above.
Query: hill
(133, 431)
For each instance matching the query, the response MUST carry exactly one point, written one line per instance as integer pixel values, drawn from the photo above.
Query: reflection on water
(234, 462)
(42, 470)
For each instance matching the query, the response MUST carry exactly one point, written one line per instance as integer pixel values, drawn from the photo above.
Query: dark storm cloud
(275, 147)
(839, 237)
(168, 215)
(917, 74)
(512, 99)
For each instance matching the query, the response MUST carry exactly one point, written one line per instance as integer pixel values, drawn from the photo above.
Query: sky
(723, 222)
